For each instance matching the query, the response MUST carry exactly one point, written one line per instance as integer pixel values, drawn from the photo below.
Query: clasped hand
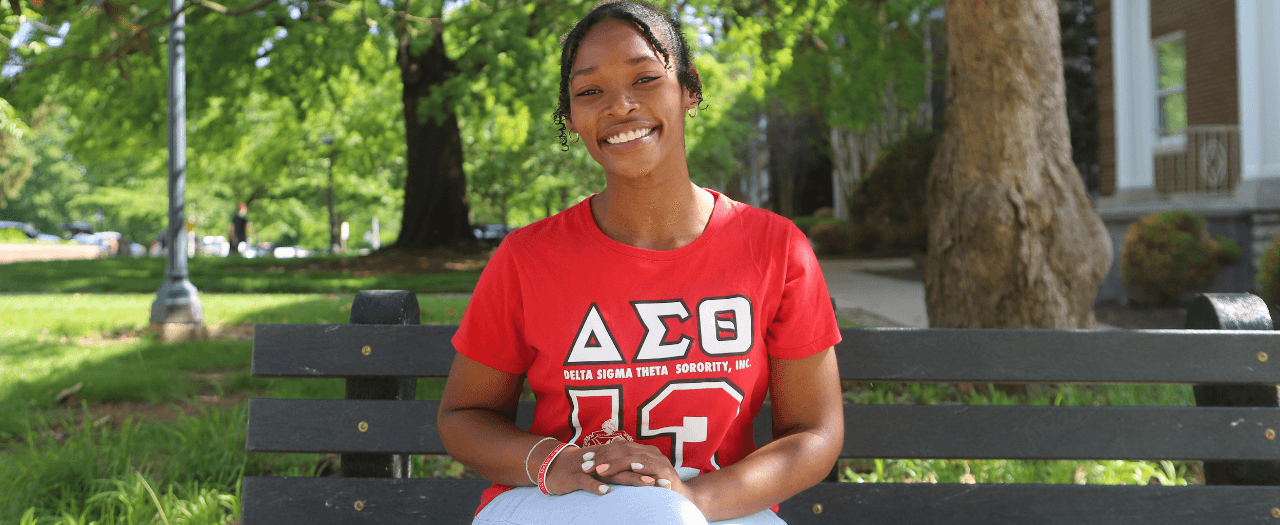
(619, 463)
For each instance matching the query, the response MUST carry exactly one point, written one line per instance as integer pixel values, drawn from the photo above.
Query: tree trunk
(435, 189)
(1014, 242)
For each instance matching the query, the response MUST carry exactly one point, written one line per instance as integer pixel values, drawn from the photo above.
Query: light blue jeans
(623, 505)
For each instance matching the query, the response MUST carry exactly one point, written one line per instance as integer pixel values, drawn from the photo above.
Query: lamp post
(177, 310)
(334, 238)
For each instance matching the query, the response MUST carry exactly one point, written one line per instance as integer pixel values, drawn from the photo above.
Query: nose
(621, 102)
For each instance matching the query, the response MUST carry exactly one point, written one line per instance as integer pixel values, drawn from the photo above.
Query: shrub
(12, 235)
(1268, 277)
(807, 223)
(1167, 254)
(835, 238)
(1230, 253)
(890, 199)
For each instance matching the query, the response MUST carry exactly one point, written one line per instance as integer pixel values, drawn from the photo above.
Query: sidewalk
(895, 302)
(879, 301)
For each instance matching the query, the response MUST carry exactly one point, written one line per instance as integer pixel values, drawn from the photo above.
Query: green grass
(1011, 471)
(68, 472)
(216, 275)
(101, 342)
(1037, 395)
(106, 474)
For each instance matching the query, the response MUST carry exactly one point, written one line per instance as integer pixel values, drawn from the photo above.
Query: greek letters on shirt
(724, 327)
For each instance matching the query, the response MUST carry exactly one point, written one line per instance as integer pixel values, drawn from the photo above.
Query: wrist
(694, 491)
(546, 467)
(535, 458)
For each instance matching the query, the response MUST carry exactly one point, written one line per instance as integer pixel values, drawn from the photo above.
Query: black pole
(334, 237)
(334, 241)
(177, 300)
(381, 307)
(1236, 311)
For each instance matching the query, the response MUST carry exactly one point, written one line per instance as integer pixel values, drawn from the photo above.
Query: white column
(1134, 85)
(1258, 59)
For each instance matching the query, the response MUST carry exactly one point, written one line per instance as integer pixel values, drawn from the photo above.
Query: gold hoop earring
(692, 112)
(574, 137)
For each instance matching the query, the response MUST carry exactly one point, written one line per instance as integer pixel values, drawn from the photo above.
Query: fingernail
(604, 489)
(602, 467)
(636, 466)
(664, 482)
(588, 456)
(646, 479)
(587, 465)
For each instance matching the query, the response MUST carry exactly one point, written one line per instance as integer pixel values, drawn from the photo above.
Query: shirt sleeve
(805, 323)
(492, 327)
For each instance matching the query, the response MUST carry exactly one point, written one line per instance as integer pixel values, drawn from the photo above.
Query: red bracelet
(542, 471)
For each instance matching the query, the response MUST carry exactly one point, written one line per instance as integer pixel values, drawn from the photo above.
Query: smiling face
(627, 104)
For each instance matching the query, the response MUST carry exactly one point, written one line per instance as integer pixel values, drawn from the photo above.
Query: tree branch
(138, 32)
(224, 11)
(402, 15)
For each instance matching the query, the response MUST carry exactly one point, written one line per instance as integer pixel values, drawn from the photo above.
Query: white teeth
(628, 136)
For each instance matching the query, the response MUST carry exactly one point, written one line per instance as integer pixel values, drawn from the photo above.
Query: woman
(650, 321)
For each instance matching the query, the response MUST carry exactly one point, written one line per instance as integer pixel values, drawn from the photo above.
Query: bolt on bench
(1230, 353)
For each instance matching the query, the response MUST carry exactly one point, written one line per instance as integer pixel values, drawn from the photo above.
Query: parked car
(78, 227)
(214, 245)
(26, 228)
(491, 234)
(291, 252)
(29, 230)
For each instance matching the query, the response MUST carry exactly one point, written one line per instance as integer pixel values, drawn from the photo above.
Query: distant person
(240, 229)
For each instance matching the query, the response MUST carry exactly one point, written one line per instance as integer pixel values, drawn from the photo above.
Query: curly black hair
(649, 20)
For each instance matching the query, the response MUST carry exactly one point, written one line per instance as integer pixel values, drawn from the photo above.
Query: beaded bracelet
(529, 455)
(542, 472)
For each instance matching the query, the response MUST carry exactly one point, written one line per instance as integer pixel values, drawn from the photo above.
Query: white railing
(1208, 161)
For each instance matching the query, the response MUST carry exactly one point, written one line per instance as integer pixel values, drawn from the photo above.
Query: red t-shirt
(670, 348)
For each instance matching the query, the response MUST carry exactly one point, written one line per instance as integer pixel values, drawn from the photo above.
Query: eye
(587, 92)
(646, 80)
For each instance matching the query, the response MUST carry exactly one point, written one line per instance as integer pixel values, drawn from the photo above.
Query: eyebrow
(630, 62)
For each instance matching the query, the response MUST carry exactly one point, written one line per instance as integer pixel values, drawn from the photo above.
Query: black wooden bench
(1231, 352)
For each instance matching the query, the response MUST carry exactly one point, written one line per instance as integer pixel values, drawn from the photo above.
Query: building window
(1171, 86)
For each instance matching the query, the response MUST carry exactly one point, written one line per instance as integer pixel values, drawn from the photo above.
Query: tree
(16, 161)
(105, 66)
(265, 86)
(48, 199)
(1014, 241)
(817, 69)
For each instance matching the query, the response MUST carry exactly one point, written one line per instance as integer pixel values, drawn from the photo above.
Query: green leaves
(266, 87)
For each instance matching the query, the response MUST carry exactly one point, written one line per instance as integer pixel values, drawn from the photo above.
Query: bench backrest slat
(1130, 433)
(325, 501)
(871, 431)
(1028, 503)
(866, 354)
(334, 426)
(1058, 356)
(384, 501)
(336, 350)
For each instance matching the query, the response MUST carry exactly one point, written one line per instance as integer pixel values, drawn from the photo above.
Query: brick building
(1189, 118)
